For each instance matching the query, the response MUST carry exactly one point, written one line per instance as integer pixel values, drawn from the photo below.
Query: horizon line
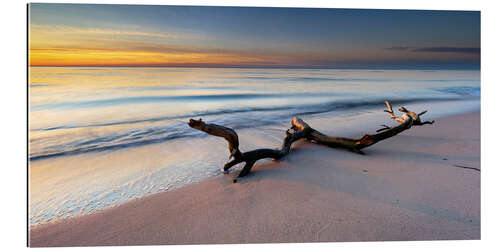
(387, 67)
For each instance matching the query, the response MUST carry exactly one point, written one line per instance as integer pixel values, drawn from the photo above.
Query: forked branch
(301, 130)
(249, 157)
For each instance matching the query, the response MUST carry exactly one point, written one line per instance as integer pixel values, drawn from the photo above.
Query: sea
(101, 136)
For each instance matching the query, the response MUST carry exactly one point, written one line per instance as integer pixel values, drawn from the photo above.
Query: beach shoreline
(125, 140)
(419, 185)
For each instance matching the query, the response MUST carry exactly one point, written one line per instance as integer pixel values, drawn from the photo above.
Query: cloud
(63, 30)
(467, 50)
(398, 48)
(461, 50)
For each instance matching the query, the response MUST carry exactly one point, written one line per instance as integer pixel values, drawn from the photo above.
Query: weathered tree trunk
(301, 130)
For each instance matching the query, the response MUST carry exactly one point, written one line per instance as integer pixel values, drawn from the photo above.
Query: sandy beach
(423, 184)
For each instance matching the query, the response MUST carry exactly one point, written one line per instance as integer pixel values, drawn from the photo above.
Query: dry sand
(410, 187)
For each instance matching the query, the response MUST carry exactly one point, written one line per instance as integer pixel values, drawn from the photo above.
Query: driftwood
(301, 130)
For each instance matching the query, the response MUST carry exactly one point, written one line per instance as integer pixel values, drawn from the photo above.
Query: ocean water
(102, 136)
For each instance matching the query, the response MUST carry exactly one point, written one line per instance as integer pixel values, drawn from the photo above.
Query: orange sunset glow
(88, 35)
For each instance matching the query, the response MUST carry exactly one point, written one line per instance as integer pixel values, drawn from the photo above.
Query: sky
(194, 36)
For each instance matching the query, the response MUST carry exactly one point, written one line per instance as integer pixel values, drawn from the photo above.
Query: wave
(461, 90)
(318, 79)
(145, 131)
(335, 79)
(180, 98)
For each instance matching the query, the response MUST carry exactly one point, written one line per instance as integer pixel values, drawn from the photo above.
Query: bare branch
(220, 131)
(391, 112)
(301, 130)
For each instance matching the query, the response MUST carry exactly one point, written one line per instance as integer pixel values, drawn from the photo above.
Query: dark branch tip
(195, 123)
